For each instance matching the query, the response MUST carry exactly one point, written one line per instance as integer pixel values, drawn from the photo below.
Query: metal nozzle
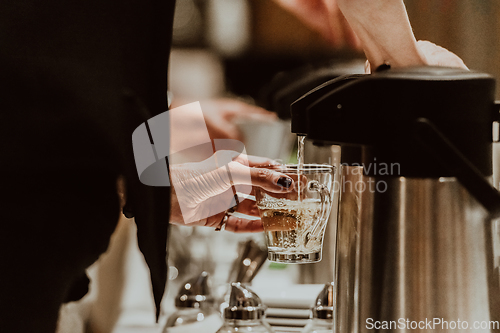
(250, 260)
(323, 308)
(195, 293)
(243, 304)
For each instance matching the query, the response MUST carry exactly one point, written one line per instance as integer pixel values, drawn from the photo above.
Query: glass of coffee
(295, 221)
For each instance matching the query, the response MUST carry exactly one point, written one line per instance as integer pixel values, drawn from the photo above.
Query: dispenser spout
(299, 108)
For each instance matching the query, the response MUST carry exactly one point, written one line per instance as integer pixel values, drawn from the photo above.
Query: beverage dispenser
(416, 239)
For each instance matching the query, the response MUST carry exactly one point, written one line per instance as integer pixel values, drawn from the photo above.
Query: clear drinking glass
(294, 222)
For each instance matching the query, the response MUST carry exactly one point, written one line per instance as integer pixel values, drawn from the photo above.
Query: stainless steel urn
(417, 239)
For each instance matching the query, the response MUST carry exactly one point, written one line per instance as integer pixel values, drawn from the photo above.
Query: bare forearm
(384, 30)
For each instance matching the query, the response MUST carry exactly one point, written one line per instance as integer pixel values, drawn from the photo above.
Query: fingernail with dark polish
(284, 182)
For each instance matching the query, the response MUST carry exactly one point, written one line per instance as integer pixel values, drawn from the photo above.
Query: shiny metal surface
(243, 304)
(422, 250)
(195, 293)
(324, 305)
(251, 257)
(352, 200)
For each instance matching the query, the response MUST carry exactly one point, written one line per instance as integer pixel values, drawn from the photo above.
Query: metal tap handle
(453, 160)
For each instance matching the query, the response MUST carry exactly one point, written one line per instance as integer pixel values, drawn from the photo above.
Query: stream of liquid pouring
(300, 163)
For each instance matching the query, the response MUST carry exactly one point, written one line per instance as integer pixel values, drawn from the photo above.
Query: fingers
(238, 224)
(271, 180)
(220, 115)
(268, 179)
(255, 161)
(236, 108)
(222, 129)
(265, 178)
(216, 121)
(257, 116)
(435, 55)
(248, 207)
(439, 56)
(233, 223)
(212, 221)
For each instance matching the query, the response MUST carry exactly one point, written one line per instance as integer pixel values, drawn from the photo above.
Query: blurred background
(244, 43)
(235, 48)
(469, 28)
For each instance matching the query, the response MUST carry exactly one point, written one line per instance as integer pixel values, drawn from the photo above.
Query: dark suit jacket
(76, 78)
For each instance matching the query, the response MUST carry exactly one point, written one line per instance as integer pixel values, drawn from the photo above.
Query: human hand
(435, 55)
(203, 191)
(325, 17)
(380, 27)
(219, 116)
(384, 30)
